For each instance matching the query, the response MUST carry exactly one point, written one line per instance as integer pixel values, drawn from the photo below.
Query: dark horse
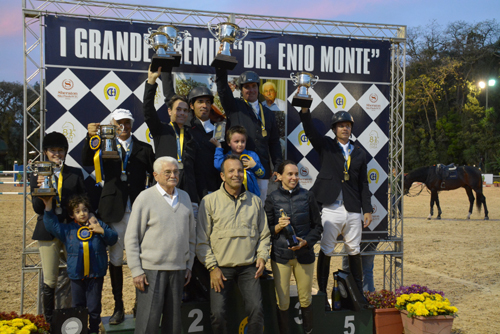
(435, 180)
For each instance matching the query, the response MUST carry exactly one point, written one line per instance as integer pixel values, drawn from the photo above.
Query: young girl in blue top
(237, 139)
(85, 240)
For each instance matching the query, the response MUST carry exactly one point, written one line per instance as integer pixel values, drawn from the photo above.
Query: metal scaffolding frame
(34, 12)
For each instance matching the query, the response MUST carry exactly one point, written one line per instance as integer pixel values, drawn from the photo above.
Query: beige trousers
(303, 274)
(50, 253)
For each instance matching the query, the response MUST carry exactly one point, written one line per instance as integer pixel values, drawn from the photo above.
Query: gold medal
(264, 133)
(346, 176)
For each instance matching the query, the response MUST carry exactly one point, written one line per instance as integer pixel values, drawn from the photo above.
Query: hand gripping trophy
(108, 133)
(226, 33)
(304, 81)
(164, 40)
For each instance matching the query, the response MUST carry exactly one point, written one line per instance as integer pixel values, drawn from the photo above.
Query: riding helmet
(55, 139)
(199, 92)
(248, 77)
(342, 116)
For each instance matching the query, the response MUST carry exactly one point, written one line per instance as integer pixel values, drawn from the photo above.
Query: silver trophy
(226, 33)
(108, 133)
(164, 41)
(45, 169)
(304, 81)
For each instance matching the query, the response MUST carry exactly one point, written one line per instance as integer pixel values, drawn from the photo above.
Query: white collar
(125, 143)
(164, 193)
(207, 125)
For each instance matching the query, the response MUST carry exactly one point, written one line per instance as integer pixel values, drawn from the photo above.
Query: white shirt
(125, 143)
(207, 125)
(172, 200)
(255, 107)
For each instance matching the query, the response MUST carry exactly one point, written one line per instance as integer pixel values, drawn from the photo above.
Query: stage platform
(196, 317)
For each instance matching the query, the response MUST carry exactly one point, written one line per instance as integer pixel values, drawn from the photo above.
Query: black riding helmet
(247, 77)
(341, 116)
(199, 92)
(55, 139)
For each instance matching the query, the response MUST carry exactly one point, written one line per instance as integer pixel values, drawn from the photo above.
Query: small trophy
(108, 133)
(45, 169)
(304, 80)
(226, 33)
(220, 131)
(163, 41)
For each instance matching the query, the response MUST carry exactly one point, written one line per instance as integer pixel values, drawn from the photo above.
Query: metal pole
(487, 84)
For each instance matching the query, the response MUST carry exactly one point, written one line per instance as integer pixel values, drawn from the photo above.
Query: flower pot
(387, 321)
(440, 324)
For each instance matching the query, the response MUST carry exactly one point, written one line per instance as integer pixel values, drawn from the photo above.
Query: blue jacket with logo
(67, 233)
(258, 170)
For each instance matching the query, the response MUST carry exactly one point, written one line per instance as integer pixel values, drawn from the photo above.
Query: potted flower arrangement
(23, 324)
(424, 310)
(387, 319)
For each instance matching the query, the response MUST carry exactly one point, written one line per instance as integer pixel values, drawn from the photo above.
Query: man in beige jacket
(233, 243)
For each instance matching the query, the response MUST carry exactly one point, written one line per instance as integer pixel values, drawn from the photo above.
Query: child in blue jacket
(237, 138)
(85, 240)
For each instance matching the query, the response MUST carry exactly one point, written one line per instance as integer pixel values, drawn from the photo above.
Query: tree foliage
(11, 119)
(445, 118)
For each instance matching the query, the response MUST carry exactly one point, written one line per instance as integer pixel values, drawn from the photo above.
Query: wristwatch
(212, 268)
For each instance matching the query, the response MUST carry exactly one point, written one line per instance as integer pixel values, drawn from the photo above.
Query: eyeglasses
(167, 173)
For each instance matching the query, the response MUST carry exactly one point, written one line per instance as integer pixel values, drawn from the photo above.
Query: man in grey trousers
(160, 244)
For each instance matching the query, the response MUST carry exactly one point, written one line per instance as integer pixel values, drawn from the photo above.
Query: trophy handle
(314, 81)
(182, 36)
(295, 79)
(211, 31)
(119, 132)
(243, 32)
(148, 40)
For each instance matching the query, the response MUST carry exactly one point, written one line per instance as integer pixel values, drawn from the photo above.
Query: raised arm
(312, 134)
(225, 93)
(148, 105)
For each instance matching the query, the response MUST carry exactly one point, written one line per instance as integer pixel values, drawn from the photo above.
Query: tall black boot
(116, 275)
(307, 319)
(322, 273)
(48, 302)
(283, 321)
(356, 268)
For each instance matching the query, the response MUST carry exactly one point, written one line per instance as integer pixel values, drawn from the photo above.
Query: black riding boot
(116, 275)
(307, 319)
(48, 302)
(283, 321)
(322, 273)
(356, 268)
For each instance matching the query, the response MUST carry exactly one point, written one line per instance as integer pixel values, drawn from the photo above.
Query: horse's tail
(474, 179)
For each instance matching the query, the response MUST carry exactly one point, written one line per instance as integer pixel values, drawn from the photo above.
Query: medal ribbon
(245, 180)
(85, 265)
(59, 186)
(259, 117)
(127, 155)
(97, 157)
(347, 160)
(180, 142)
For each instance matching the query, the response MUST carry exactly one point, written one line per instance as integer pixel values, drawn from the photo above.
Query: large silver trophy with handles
(164, 41)
(226, 33)
(304, 81)
(45, 169)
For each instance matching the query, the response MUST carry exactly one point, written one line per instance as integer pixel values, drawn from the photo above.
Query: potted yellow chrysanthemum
(426, 313)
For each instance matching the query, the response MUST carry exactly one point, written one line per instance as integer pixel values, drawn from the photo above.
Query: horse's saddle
(447, 172)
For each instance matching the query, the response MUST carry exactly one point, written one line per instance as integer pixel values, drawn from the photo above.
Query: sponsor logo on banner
(111, 90)
(373, 102)
(67, 84)
(374, 209)
(69, 131)
(374, 139)
(373, 98)
(373, 175)
(304, 171)
(67, 93)
(339, 100)
(303, 138)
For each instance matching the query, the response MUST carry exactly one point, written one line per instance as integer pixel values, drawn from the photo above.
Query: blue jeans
(249, 287)
(87, 293)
